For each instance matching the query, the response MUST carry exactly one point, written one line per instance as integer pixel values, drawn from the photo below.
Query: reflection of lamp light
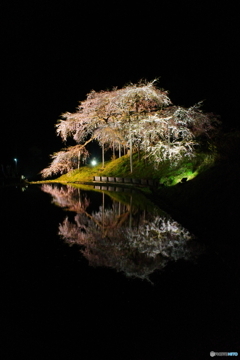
(94, 162)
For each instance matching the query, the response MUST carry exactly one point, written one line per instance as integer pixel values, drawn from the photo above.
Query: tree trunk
(114, 157)
(119, 150)
(103, 155)
(168, 140)
(79, 157)
(131, 158)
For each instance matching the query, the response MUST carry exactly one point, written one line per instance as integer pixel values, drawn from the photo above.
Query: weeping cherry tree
(140, 117)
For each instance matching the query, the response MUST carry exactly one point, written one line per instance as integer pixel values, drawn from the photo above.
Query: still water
(108, 274)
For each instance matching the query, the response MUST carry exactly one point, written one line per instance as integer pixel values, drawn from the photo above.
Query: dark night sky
(52, 56)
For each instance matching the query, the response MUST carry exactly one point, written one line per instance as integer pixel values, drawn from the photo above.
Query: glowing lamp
(94, 162)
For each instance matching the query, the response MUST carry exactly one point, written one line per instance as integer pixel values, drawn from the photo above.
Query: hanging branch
(138, 116)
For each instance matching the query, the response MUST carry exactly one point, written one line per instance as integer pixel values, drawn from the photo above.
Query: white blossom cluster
(139, 117)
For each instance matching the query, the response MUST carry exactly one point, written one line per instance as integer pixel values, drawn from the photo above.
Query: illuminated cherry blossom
(140, 117)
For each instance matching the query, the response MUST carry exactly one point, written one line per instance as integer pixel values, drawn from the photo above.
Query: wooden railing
(120, 180)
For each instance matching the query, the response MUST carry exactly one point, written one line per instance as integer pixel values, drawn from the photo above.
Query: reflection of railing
(120, 180)
(115, 188)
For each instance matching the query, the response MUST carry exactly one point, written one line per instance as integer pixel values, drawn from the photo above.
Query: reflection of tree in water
(124, 237)
(67, 197)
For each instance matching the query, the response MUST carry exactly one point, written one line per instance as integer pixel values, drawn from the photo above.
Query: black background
(53, 55)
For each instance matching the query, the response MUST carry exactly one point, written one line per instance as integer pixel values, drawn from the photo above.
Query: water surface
(122, 230)
(110, 275)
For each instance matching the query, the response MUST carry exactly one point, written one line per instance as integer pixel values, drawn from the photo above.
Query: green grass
(165, 173)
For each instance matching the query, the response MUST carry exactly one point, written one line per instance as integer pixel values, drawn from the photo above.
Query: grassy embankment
(166, 174)
(208, 203)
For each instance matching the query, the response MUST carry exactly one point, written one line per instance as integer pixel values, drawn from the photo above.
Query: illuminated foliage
(139, 117)
(134, 103)
(133, 239)
(65, 160)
